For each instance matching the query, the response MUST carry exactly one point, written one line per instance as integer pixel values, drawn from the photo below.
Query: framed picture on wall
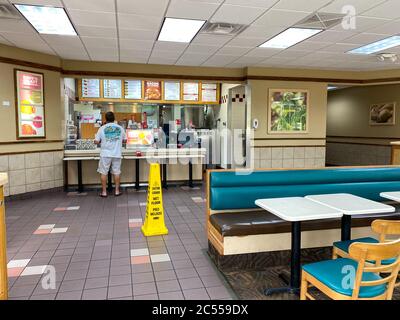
(382, 114)
(30, 111)
(288, 111)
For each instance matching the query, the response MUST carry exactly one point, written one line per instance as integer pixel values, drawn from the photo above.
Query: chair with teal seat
(354, 278)
(383, 228)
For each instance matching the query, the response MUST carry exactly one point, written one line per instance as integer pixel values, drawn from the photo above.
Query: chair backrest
(367, 252)
(386, 228)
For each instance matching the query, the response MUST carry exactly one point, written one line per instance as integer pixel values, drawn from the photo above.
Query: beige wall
(348, 111)
(316, 120)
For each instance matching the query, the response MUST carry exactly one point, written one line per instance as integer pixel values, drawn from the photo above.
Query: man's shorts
(105, 163)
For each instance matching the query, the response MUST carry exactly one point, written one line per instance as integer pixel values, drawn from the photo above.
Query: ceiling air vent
(219, 28)
(321, 20)
(7, 11)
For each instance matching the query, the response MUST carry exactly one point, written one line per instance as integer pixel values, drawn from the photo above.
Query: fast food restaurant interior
(260, 155)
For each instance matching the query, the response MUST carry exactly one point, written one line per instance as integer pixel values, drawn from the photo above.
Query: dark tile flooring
(93, 257)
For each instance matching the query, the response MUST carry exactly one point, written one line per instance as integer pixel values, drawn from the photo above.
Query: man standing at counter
(110, 136)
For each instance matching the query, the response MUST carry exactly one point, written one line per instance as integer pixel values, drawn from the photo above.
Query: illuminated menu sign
(172, 91)
(209, 92)
(191, 91)
(90, 88)
(152, 90)
(112, 89)
(133, 89)
(30, 100)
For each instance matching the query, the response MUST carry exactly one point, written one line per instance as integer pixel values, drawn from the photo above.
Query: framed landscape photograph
(288, 111)
(382, 114)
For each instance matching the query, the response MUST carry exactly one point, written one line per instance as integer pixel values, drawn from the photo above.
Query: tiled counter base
(31, 172)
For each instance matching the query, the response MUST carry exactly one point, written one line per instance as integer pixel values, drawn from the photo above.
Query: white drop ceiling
(126, 31)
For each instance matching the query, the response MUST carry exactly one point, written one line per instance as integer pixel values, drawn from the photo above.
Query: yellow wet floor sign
(154, 224)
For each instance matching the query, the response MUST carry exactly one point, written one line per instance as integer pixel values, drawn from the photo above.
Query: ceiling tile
(200, 49)
(295, 54)
(263, 52)
(192, 58)
(388, 28)
(246, 42)
(133, 21)
(388, 10)
(74, 56)
(53, 39)
(191, 9)
(104, 58)
(143, 7)
(135, 53)
(261, 32)
(5, 41)
(237, 14)
(65, 49)
(220, 60)
(138, 34)
(311, 45)
(208, 39)
(88, 31)
(170, 46)
(363, 24)
(135, 44)
(165, 54)
(333, 36)
(249, 59)
(95, 42)
(359, 5)
(341, 47)
(309, 5)
(161, 60)
(234, 50)
(127, 59)
(253, 3)
(91, 5)
(93, 18)
(364, 38)
(281, 18)
(11, 25)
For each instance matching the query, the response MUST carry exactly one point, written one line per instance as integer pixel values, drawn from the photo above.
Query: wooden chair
(383, 228)
(354, 278)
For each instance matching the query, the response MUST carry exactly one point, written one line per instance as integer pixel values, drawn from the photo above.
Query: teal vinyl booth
(231, 211)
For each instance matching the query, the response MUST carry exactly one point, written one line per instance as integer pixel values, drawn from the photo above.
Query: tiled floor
(98, 251)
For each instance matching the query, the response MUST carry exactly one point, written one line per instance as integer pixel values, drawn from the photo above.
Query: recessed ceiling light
(290, 37)
(47, 20)
(179, 30)
(377, 46)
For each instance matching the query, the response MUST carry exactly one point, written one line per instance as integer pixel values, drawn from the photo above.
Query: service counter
(177, 165)
(395, 152)
(3, 241)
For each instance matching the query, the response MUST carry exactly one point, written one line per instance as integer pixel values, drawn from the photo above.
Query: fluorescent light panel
(179, 30)
(290, 37)
(377, 46)
(47, 20)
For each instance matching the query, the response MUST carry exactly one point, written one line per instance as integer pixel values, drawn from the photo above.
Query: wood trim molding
(291, 146)
(280, 139)
(190, 77)
(30, 64)
(25, 152)
(360, 143)
(29, 141)
(365, 138)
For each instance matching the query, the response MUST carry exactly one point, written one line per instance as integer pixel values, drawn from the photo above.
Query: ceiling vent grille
(321, 20)
(219, 28)
(8, 11)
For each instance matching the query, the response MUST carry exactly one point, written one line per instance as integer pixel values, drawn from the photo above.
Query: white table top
(297, 209)
(350, 204)
(395, 195)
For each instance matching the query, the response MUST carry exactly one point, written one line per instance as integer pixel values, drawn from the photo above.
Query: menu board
(30, 104)
(112, 89)
(190, 91)
(209, 92)
(133, 89)
(152, 90)
(90, 88)
(172, 91)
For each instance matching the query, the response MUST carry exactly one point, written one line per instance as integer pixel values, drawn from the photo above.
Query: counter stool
(354, 278)
(383, 227)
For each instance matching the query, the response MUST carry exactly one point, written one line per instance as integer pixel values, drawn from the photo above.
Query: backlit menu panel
(209, 92)
(172, 91)
(190, 91)
(90, 88)
(30, 104)
(152, 90)
(112, 89)
(133, 89)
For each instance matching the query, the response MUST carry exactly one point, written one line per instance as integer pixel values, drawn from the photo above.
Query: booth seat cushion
(262, 222)
(330, 273)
